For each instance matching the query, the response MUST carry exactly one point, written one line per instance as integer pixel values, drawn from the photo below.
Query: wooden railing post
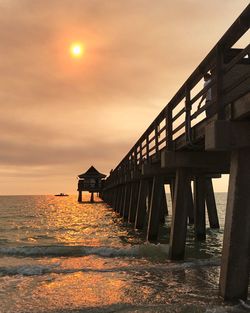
(147, 148)
(188, 115)
(169, 128)
(156, 140)
(140, 153)
(219, 82)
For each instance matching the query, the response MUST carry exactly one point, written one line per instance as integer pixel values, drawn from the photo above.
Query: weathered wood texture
(235, 265)
(179, 215)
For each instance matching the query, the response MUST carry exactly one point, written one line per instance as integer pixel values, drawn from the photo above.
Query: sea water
(57, 255)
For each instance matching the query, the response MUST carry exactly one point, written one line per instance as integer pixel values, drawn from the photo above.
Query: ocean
(57, 255)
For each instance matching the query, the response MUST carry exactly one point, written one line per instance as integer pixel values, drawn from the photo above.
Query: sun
(76, 50)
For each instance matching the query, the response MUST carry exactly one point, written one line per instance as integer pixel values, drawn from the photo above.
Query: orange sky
(60, 115)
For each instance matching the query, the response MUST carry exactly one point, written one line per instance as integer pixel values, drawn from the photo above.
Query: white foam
(43, 269)
(140, 251)
(27, 270)
(145, 250)
(233, 309)
(244, 304)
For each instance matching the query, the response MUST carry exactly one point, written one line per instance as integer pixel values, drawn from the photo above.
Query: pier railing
(181, 114)
(185, 147)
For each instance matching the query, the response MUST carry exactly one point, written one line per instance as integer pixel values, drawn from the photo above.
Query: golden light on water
(77, 50)
(79, 290)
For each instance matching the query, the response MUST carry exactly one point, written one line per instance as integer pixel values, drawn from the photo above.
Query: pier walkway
(186, 144)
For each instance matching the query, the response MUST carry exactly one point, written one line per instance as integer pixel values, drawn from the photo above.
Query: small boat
(61, 195)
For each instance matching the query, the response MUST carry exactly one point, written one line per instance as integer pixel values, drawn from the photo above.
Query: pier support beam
(172, 185)
(92, 197)
(117, 197)
(133, 202)
(126, 202)
(211, 204)
(141, 204)
(121, 201)
(164, 205)
(235, 268)
(179, 215)
(149, 193)
(155, 208)
(199, 208)
(80, 196)
(190, 205)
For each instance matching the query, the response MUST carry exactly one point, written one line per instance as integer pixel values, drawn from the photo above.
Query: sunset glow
(76, 50)
(99, 72)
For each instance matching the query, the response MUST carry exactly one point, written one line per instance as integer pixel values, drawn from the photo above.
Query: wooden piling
(163, 206)
(149, 193)
(133, 202)
(172, 186)
(116, 198)
(141, 204)
(121, 201)
(126, 202)
(190, 205)
(155, 208)
(79, 196)
(92, 197)
(211, 205)
(199, 208)
(235, 264)
(179, 215)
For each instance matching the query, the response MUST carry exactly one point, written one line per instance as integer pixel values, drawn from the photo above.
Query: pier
(185, 147)
(91, 181)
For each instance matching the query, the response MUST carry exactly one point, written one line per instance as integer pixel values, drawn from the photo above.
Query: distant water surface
(60, 256)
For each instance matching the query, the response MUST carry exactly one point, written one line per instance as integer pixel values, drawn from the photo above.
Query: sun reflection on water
(58, 280)
(80, 289)
(56, 220)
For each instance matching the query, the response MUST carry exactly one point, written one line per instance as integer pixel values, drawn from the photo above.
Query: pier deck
(187, 143)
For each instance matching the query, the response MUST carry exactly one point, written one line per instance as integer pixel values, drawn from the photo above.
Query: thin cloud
(58, 115)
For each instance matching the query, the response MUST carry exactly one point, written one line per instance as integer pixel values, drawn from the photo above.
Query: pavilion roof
(92, 173)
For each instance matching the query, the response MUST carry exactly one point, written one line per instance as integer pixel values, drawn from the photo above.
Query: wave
(55, 268)
(39, 270)
(28, 270)
(158, 252)
(145, 250)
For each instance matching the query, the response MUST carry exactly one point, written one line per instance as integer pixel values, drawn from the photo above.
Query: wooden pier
(186, 144)
(91, 181)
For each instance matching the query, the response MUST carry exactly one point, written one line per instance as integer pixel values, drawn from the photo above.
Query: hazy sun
(76, 50)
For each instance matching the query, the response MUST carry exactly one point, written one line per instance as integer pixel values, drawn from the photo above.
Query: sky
(59, 115)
